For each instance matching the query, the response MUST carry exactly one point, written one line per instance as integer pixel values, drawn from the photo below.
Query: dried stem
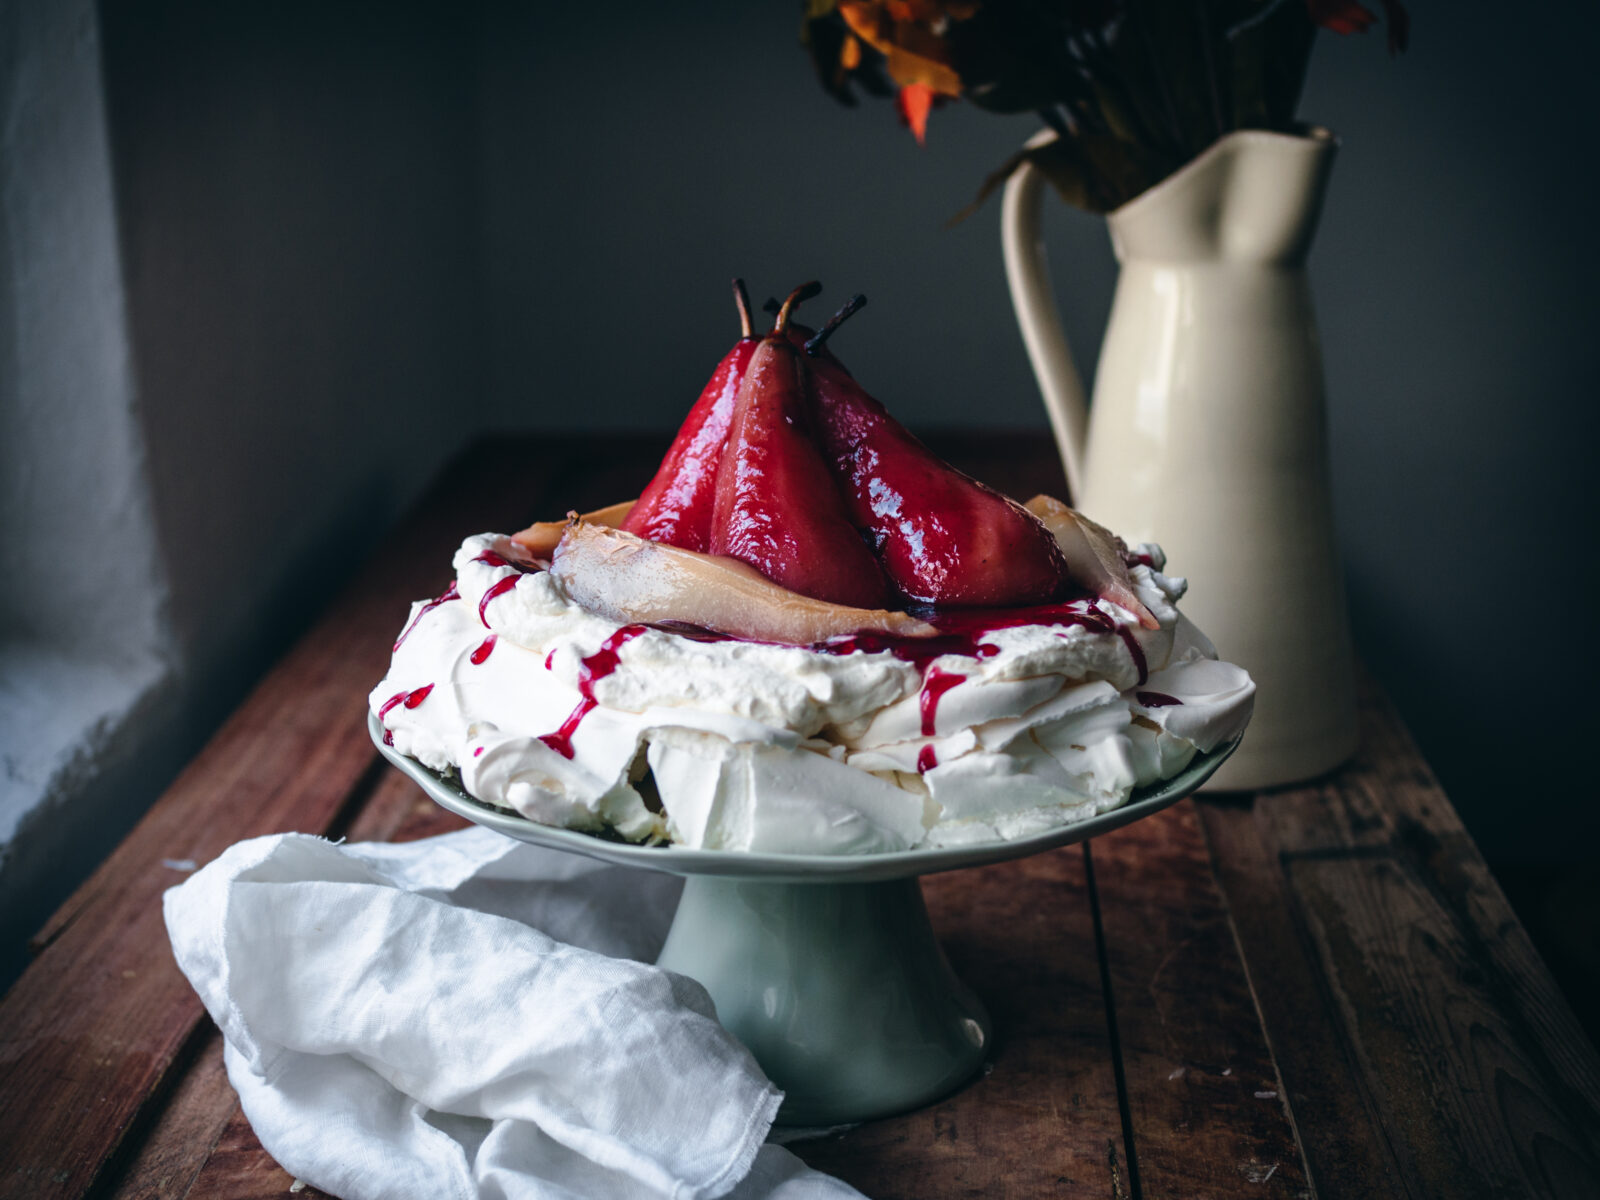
(804, 292)
(742, 299)
(851, 306)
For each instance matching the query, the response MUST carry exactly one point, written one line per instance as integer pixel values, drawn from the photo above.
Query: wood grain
(1206, 1113)
(166, 1156)
(1347, 1148)
(1045, 1120)
(1418, 1034)
(239, 1169)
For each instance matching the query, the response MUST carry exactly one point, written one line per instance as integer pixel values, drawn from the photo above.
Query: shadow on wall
(294, 268)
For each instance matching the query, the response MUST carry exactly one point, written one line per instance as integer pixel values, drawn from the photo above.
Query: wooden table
(1318, 990)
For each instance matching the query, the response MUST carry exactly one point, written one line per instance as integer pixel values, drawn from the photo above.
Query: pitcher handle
(1028, 274)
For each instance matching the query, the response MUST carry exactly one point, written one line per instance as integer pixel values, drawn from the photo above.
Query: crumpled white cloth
(469, 1016)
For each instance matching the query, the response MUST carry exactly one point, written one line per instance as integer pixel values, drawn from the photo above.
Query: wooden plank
(202, 1112)
(1207, 1117)
(1417, 1031)
(1045, 1120)
(1342, 1132)
(175, 1159)
(1427, 828)
(1471, 1114)
(171, 1152)
(239, 1169)
(90, 1032)
(396, 806)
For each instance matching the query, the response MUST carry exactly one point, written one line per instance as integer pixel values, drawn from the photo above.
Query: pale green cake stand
(825, 966)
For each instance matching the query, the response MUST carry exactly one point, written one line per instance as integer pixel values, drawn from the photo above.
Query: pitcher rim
(1314, 138)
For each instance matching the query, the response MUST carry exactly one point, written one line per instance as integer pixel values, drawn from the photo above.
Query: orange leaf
(915, 102)
(911, 70)
(850, 53)
(864, 20)
(914, 53)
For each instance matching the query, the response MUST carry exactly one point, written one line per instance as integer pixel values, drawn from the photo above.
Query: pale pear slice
(629, 579)
(1093, 554)
(541, 537)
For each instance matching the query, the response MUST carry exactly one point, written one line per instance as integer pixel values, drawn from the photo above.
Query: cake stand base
(840, 990)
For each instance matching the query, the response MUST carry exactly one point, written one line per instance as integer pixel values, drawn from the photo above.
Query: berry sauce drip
(1156, 699)
(590, 671)
(961, 632)
(934, 685)
(409, 699)
(918, 651)
(449, 594)
(548, 658)
(500, 589)
(1135, 652)
(485, 648)
(490, 558)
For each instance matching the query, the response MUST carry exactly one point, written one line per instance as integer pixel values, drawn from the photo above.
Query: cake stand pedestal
(825, 966)
(840, 990)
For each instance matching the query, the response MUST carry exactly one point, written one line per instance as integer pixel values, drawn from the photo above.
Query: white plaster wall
(238, 333)
(83, 640)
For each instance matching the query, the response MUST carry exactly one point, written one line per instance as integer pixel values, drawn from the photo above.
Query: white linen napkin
(467, 1016)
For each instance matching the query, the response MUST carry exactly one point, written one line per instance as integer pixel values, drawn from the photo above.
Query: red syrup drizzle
(1135, 651)
(935, 683)
(485, 648)
(1156, 699)
(547, 659)
(590, 671)
(409, 699)
(500, 588)
(961, 632)
(450, 593)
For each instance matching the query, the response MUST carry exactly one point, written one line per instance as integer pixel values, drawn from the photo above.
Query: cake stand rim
(801, 868)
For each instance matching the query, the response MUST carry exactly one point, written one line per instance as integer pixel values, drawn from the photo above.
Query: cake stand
(825, 966)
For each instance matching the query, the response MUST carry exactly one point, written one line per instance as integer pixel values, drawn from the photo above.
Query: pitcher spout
(1254, 196)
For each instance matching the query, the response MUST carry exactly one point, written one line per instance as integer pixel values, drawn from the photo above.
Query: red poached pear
(675, 507)
(943, 538)
(777, 507)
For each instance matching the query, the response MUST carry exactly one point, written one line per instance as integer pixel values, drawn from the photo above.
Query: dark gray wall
(297, 191)
(632, 165)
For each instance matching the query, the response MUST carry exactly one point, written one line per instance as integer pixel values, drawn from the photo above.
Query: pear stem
(851, 306)
(742, 299)
(804, 292)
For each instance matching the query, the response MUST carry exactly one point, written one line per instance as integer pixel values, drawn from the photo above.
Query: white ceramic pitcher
(1208, 430)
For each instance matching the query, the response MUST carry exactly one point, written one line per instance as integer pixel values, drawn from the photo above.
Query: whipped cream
(544, 708)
